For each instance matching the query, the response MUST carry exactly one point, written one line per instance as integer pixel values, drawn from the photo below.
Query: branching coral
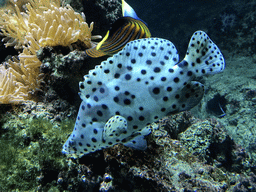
(45, 23)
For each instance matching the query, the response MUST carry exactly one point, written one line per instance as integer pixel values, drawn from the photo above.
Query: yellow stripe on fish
(123, 30)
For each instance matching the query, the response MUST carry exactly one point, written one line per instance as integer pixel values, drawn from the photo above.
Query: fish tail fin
(203, 57)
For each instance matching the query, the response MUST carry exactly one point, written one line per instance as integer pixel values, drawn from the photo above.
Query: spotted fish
(140, 84)
(123, 30)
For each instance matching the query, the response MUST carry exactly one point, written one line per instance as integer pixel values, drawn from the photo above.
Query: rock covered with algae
(212, 161)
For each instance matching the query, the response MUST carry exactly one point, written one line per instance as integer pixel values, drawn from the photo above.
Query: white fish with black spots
(137, 86)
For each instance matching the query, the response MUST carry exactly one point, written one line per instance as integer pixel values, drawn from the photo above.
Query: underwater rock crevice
(217, 105)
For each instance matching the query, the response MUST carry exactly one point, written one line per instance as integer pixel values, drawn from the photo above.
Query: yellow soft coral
(13, 27)
(11, 91)
(45, 23)
(27, 70)
(58, 26)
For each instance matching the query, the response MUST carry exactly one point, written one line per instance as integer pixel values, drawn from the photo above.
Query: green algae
(29, 148)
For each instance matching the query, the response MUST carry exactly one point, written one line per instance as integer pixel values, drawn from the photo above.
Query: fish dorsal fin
(128, 11)
(139, 142)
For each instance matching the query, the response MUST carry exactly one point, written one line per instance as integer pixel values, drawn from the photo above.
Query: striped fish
(123, 30)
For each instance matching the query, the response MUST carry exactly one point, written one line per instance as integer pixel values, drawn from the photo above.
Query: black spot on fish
(117, 88)
(129, 118)
(156, 90)
(157, 69)
(104, 106)
(171, 70)
(133, 61)
(102, 90)
(99, 113)
(127, 101)
(176, 79)
(169, 89)
(163, 78)
(116, 99)
(117, 75)
(149, 62)
(106, 71)
(141, 118)
(128, 77)
(143, 71)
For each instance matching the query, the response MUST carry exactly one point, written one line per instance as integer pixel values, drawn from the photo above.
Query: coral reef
(56, 61)
(110, 11)
(168, 164)
(184, 153)
(237, 88)
(32, 152)
(45, 23)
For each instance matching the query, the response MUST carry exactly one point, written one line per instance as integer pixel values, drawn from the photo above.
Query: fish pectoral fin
(115, 128)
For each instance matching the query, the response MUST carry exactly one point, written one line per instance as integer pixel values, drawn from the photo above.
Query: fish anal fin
(102, 41)
(139, 141)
